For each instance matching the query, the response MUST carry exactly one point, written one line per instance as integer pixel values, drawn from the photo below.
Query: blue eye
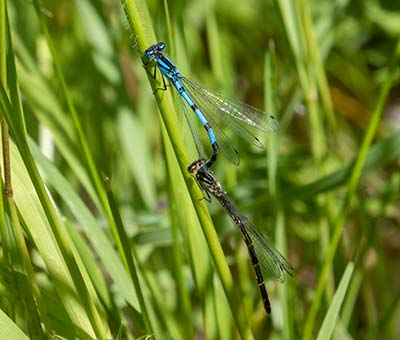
(161, 46)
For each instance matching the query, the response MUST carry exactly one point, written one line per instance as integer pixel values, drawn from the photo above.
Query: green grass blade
(329, 322)
(9, 330)
(131, 133)
(274, 185)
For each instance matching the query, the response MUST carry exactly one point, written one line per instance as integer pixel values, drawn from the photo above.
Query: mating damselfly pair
(216, 111)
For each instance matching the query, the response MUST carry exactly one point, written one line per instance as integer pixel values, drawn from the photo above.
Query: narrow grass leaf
(329, 322)
(9, 330)
(137, 152)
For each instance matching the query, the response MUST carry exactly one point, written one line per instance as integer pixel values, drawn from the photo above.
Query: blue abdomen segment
(193, 106)
(185, 95)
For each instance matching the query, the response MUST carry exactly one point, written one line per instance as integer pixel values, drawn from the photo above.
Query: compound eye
(149, 51)
(161, 46)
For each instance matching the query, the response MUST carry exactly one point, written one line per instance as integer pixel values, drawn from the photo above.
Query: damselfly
(261, 252)
(214, 110)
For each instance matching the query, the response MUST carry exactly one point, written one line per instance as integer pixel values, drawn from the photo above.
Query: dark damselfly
(262, 253)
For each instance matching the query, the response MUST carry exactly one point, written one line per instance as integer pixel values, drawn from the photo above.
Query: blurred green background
(120, 244)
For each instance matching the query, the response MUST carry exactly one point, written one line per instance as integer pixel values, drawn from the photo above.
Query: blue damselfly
(214, 110)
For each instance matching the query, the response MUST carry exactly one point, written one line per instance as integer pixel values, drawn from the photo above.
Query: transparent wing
(230, 112)
(270, 259)
(226, 145)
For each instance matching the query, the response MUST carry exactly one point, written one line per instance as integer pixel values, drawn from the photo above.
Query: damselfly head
(195, 166)
(155, 49)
